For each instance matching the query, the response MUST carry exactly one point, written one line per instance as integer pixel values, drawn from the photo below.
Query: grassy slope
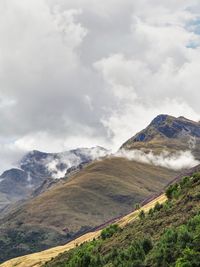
(40, 258)
(177, 243)
(102, 190)
(98, 193)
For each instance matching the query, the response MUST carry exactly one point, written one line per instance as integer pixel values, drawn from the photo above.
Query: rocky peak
(171, 127)
(159, 120)
(167, 129)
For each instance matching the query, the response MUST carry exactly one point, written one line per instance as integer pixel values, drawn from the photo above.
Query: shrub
(173, 191)
(158, 206)
(197, 196)
(190, 258)
(142, 215)
(167, 205)
(196, 177)
(151, 212)
(137, 206)
(110, 231)
(147, 245)
(185, 182)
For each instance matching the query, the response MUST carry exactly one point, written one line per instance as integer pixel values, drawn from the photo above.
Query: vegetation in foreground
(168, 236)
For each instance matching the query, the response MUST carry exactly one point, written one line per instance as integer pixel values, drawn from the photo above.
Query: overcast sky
(79, 73)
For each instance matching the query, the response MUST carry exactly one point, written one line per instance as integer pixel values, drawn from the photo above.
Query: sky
(80, 73)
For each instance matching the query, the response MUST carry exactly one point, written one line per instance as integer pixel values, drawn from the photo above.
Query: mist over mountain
(167, 141)
(55, 165)
(36, 167)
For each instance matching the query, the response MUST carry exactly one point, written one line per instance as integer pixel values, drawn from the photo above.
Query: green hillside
(168, 236)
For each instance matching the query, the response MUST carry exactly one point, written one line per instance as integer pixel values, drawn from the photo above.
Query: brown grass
(38, 259)
(101, 191)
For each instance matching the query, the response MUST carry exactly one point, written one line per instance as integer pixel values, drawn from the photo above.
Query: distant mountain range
(36, 167)
(95, 192)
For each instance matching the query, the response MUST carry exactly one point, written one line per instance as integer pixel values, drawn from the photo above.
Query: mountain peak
(166, 131)
(160, 119)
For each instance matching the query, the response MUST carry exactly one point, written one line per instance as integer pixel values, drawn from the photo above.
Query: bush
(141, 215)
(147, 245)
(190, 258)
(110, 231)
(151, 212)
(178, 247)
(137, 206)
(196, 177)
(167, 205)
(185, 182)
(158, 207)
(197, 196)
(173, 191)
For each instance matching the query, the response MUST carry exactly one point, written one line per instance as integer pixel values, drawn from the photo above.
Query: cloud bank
(59, 165)
(176, 161)
(85, 73)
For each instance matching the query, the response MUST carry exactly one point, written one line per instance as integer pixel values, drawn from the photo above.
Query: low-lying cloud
(176, 161)
(58, 166)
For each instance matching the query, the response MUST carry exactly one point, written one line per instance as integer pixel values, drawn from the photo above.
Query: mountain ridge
(94, 194)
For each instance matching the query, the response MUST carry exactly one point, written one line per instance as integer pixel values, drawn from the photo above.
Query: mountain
(37, 168)
(98, 191)
(167, 133)
(55, 165)
(14, 185)
(163, 232)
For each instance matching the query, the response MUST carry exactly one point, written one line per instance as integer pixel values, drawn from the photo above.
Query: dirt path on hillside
(38, 259)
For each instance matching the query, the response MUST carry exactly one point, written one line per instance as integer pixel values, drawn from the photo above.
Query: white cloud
(10, 153)
(142, 94)
(82, 73)
(72, 159)
(175, 161)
